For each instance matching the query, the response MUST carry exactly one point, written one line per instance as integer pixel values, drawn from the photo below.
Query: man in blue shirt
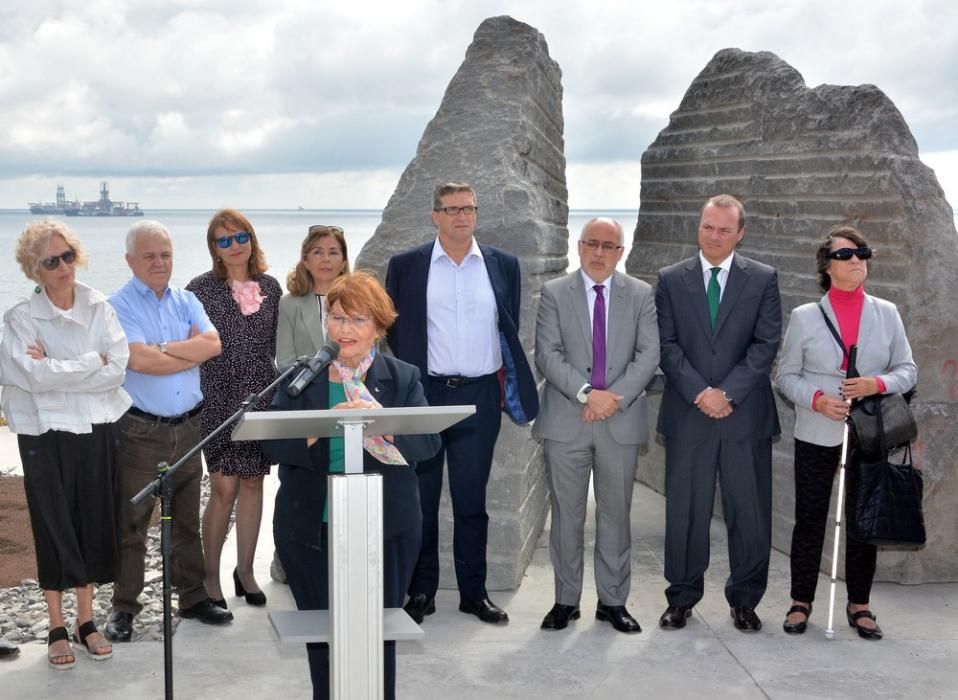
(169, 335)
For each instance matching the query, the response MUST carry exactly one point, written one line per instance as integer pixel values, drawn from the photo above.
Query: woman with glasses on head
(812, 374)
(360, 313)
(242, 302)
(302, 313)
(63, 360)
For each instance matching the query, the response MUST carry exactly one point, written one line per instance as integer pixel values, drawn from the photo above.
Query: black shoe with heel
(797, 627)
(258, 598)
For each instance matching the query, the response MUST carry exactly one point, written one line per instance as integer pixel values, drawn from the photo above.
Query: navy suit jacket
(303, 470)
(406, 279)
(736, 356)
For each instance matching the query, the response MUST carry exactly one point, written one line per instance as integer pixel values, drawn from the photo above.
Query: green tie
(714, 296)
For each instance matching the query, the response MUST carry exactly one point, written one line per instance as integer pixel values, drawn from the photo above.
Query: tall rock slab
(500, 128)
(803, 160)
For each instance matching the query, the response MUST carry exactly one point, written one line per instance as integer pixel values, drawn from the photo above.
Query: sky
(286, 103)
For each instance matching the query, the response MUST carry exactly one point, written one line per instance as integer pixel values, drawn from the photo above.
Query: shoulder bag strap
(831, 327)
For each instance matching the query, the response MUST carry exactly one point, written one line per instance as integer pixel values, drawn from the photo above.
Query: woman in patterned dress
(242, 302)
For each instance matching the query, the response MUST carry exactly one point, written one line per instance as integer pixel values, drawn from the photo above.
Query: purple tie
(598, 339)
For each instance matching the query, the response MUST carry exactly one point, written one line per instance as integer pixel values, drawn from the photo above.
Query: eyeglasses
(456, 211)
(862, 253)
(356, 321)
(606, 246)
(321, 228)
(241, 237)
(53, 262)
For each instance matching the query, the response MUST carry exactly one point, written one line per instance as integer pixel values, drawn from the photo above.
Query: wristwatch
(728, 399)
(163, 346)
(583, 395)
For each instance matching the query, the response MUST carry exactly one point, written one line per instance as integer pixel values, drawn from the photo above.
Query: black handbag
(885, 416)
(888, 510)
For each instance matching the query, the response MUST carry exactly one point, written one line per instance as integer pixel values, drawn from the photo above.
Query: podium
(355, 624)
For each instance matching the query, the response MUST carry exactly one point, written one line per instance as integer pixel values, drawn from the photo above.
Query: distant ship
(102, 207)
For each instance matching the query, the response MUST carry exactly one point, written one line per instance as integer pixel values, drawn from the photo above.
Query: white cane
(829, 632)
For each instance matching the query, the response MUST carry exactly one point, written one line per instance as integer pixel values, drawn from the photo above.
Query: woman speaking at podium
(360, 312)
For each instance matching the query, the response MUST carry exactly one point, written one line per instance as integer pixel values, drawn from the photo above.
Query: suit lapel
(694, 284)
(837, 349)
(737, 279)
(579, 303)
(379, 380)
(616, 311)
(496, 279)
(310, 309)
(420, 274)
(868, 323)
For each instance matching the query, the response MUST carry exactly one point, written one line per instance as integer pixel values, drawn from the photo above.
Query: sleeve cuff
(818, 392)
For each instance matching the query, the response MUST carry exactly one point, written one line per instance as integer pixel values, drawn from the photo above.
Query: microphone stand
(162, 487)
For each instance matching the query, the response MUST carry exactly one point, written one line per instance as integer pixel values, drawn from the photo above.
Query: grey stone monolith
(500, 128)
(803, 160)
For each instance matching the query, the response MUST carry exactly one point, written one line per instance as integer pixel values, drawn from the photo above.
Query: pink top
(848, 311)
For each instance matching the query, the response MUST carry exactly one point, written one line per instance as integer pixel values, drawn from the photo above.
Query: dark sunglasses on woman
(862, 253)
(242, 237)
(53, 262)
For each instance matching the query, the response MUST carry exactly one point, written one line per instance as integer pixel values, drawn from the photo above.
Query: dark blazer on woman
(303, 471)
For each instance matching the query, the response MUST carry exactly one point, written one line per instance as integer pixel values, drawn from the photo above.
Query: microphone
(851, 372)
(321, 360)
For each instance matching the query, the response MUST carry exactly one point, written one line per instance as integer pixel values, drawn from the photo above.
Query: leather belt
(454, 381)
(171, 420)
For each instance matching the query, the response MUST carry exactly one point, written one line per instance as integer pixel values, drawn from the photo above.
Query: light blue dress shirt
(146, 319)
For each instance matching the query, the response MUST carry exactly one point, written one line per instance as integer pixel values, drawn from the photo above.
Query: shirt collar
(590, 283)
(142, 289)
(707, 266)
(439, 252)
(83, 296)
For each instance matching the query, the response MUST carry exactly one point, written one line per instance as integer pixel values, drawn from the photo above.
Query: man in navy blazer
(720, 324)
(458, 305)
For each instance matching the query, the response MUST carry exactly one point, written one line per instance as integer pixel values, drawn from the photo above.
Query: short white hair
(603, 220)
(143, 228)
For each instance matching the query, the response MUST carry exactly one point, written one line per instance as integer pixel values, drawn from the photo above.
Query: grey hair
(143, 228)
(604, 220)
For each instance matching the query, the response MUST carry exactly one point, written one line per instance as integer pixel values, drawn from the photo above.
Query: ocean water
(280, 233)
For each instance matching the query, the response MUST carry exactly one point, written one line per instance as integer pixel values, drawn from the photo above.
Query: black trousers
(469, 447)
(691, 468)
(307, 572)
(72, 483)
(815, 468)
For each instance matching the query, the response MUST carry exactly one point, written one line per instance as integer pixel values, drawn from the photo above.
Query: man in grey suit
(597, 345)
(720, 324)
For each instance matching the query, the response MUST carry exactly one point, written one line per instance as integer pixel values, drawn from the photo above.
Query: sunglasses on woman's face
(862, 253)
(53, 262)
(226, 241)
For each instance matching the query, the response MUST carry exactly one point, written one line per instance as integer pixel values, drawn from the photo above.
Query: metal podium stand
(356, 624)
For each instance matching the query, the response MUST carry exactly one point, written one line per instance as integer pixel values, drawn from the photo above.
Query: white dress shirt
(71, 388)
(725, 265)
(462, 325)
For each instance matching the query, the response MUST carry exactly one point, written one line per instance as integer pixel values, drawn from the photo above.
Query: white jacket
(72, 388)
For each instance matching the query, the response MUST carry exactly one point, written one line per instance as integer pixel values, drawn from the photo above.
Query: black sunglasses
(862, 253)
(53, 262)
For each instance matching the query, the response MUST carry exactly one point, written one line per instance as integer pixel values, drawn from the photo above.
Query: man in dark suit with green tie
(720, 324)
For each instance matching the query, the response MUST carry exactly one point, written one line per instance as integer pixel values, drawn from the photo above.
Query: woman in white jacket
(812, 374)
(63, 359)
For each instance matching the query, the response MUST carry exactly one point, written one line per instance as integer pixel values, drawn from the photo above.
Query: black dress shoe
(674, 617)
(558, 618)
(797, 627)
(484, 609)
(863, 632)
(8, 649)
(257, 598)
(207, 612)
(745, 619)
(419, 605)
(618, 616)
(220, 603)
(119, 627)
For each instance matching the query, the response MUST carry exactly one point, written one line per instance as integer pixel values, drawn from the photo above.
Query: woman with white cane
(813, 374)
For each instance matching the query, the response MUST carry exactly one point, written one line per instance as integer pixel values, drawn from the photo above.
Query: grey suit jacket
(811, 361)
(564, 356)
(736, 356)
(300, 330)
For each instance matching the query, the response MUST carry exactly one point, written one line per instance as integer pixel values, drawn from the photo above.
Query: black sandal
(80, 637)
(863, 632)
(59, 634)
(797, 627)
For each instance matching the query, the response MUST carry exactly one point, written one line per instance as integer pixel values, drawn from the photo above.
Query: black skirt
(72, 484)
